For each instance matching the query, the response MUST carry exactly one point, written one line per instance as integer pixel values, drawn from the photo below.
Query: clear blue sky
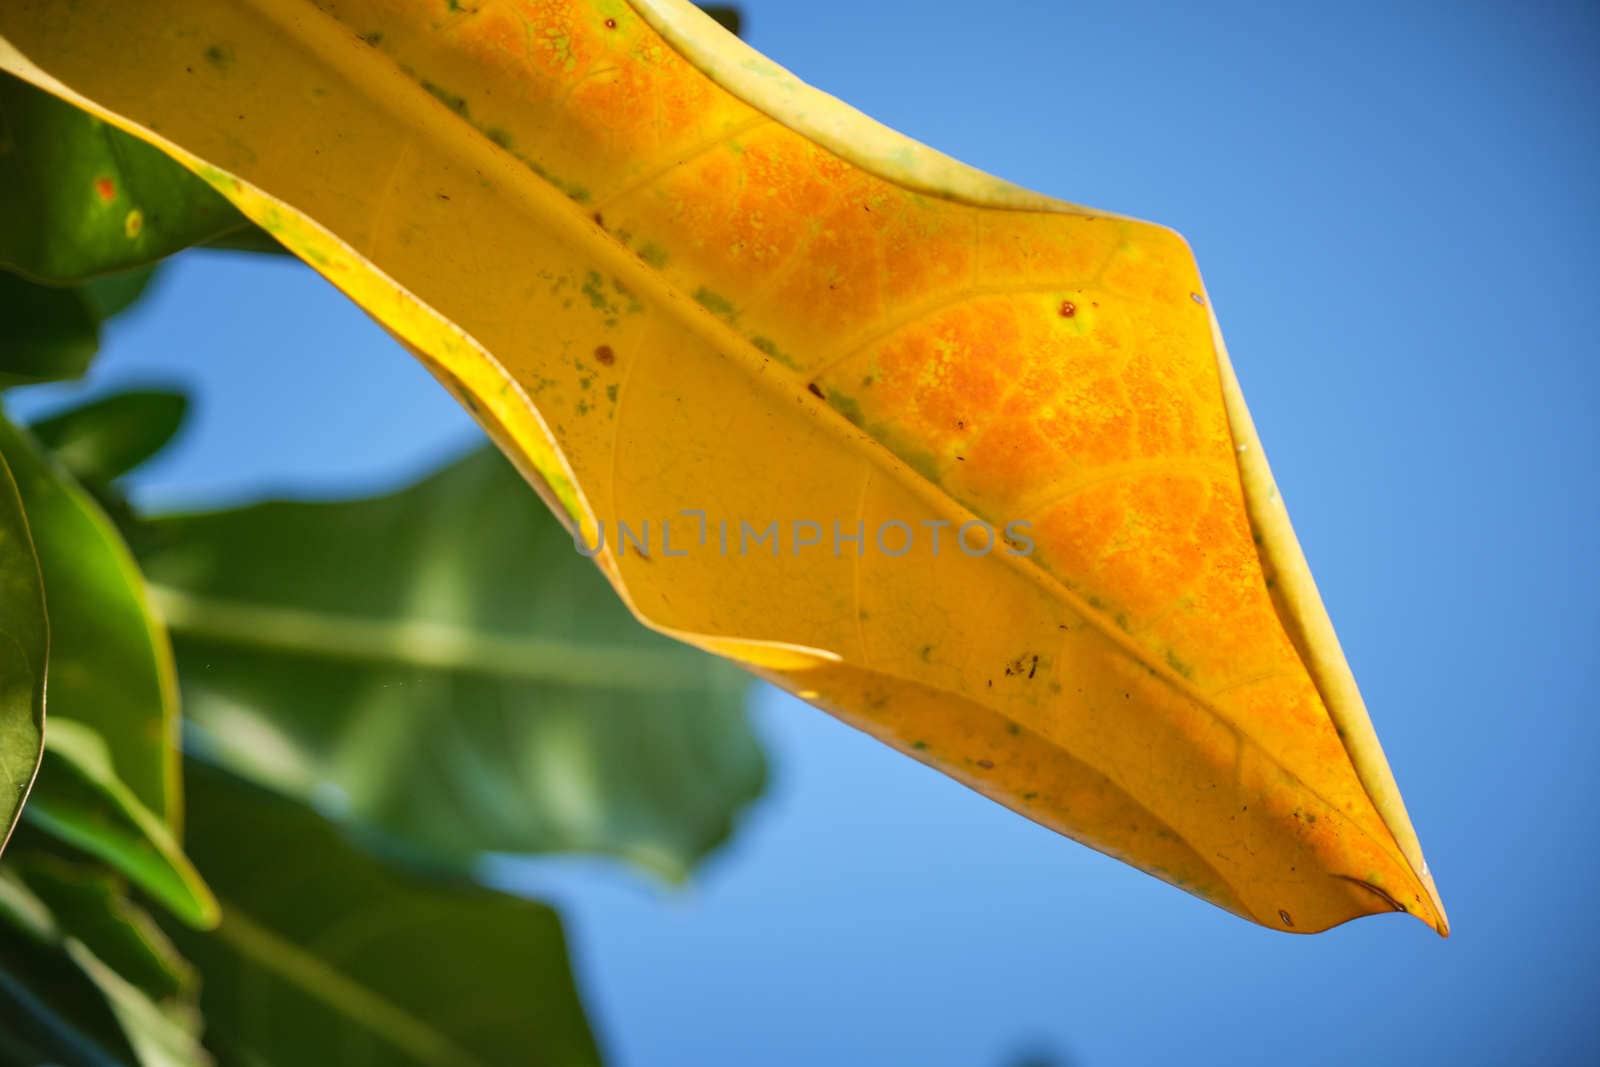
(1396, 215)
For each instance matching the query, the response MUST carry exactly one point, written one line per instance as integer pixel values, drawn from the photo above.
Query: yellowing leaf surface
(666, 275)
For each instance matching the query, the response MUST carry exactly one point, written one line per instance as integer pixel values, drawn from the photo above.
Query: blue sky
(1395, 212)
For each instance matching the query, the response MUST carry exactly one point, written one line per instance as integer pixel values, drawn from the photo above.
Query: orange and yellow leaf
(667, 276)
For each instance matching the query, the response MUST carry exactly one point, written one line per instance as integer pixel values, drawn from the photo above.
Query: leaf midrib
(541, 196)
(564, 215)
(422, 643)
(356, 1002)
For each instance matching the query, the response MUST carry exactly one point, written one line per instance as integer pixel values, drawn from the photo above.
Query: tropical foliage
(163, 908)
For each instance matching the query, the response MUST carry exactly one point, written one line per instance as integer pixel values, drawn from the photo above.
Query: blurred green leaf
(105, 438)
(24, 643)
(46, 334)
(60, 1003)
(80, 800)
(729, 16)
(112, 294)
(92, 903)
(441, 664)
(80, 198)
(52, 333)
(324, 951)
(19, 1049)
(160, 1038)
(49, 1008)
(110, 663)
(250, 239)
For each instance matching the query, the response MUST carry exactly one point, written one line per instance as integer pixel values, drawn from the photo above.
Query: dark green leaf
(50, 1011)
(728, 15)
(252, 239)
(326, 954)
(80, 800)
(58, 999)
(46, 333)
(24, 643)
(92, 904)
(112, 294)
(446, 661)
(20, 1044)
(110, 663)
(51, 333)
(80, 198)
(105, 438)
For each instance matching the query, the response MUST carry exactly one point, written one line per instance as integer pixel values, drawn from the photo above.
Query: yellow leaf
(666, 275)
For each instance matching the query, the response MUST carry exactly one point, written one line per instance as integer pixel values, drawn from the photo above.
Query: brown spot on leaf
(611, 24)
(986, 764)
(815, 391)
(605, 355)
(105, 189)
(1068, 309)
(1285, 917)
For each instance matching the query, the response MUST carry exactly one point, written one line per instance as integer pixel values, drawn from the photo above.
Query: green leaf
(47, 333)
(112, 294)
(442, 664)
(52, 332)
(104, 439)
(159, 1038)
(326, 953)
(110, 663)
(92, 904)
(80, 800)
(20, 1049)
(730, 17)
(252, 239)
(60, 1003)
(50, 1010)
(80, 198)
(24, 644)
